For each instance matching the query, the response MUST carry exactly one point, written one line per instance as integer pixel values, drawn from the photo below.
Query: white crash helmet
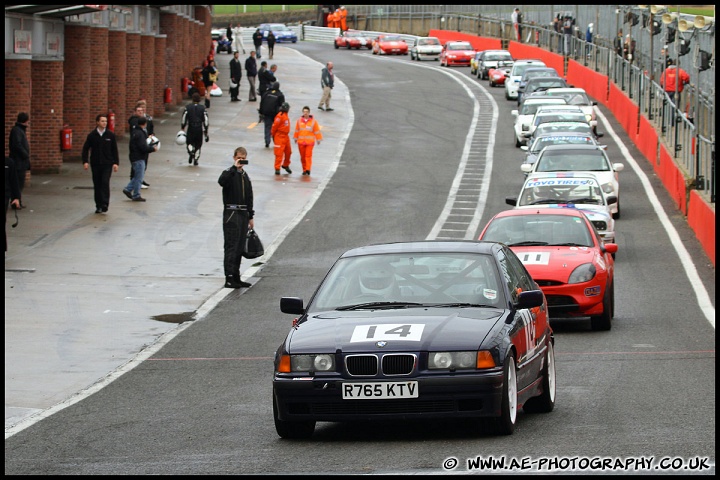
(152, 140)
(377, 279)
(181, 138)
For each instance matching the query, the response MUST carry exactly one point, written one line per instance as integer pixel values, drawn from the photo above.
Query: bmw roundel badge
(380, 344)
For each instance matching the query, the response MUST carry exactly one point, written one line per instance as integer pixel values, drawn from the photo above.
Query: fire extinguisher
(111, 121)
(66, 138)
(168, 94)
(184, 84)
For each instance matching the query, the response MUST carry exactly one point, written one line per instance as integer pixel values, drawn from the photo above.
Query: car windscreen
(543, 142)
(391, 39)
(459, 46)
(572, 160)
(494, 57)
(518, 70)
(574, 127)
(545, 117)
(518, 230)
(408, 280)
(429, 41)
(532, 107)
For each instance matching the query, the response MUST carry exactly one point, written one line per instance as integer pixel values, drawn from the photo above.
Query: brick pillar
(18, 92)
(117, 79)
(170, 26)
(97, 88)
(78, 83)
(161, 76)
(132, 79)
(146, 58)
(46, 118)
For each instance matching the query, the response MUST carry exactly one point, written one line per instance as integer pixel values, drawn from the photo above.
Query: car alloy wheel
(604, 321)
(545, 402)
(505, 423)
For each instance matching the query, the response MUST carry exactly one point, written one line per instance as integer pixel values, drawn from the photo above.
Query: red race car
(497, 76)
(389, 45)
(353, 39)
(565, 255)
(456, 53)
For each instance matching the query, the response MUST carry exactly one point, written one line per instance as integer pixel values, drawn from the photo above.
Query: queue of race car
(441, 328)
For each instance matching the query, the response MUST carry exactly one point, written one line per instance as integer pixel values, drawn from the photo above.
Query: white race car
(513, 81)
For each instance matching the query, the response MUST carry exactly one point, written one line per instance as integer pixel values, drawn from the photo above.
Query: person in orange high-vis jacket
(343, 19)
(336, 16)
(331, 19)
(280, 132)
(307, 131)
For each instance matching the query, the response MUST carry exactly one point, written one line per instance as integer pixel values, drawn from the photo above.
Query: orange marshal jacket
(281, 125)
(307, 131)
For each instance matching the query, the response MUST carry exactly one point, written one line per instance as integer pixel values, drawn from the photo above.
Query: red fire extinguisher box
(66, 138)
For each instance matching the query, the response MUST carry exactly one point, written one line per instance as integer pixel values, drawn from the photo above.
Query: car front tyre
(545, 402)
(292, 430)
(604, 321)
(505, 423)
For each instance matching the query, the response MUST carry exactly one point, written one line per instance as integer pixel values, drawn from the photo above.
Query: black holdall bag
(253, 246)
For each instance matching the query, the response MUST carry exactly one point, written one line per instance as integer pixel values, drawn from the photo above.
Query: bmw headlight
(600, 225)
(583, 273)
(452, 360)
(588, 117)
(312, 363)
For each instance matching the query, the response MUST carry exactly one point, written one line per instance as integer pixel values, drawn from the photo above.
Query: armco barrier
(594, 83)
(552, 60)
(625, 111)
(647, 140)
(702, 220)
(672, 178)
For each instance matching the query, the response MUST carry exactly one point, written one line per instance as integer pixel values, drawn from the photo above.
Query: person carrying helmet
(195, 118)
(307, 130)
(269, 106)
(281, 138)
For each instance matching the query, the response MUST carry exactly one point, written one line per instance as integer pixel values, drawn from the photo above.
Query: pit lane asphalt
(86, 293)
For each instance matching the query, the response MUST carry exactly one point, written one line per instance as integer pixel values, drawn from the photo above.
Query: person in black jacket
(102, 150)
(195, 118)
(257, 41)
(269, 107)
(20, 149)
(266, 76)
(238, 214)
(12, 190)
(235, 76)
(251, 74)
(140, 149)
(271, 43)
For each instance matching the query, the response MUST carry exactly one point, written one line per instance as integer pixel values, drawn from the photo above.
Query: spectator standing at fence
(674, 80)
(515, 18)
(618, 43)
(589, 38)
(629, 48)
(567, 28)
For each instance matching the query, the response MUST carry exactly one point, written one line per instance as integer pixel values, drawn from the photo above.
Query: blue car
(281, 31)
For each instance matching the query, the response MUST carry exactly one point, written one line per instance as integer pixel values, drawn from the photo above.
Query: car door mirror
(611, 199)
(293, 305)
(514, 113)
(526, 167)
(511, 201)
(530, 299)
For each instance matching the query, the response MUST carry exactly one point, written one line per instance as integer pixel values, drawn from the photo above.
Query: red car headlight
(583, 273)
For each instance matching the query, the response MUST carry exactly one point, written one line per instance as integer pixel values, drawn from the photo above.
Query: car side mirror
(514, 113)
(599, 135)
(524, 148)
(610, 248)
(530, 299)
(511, 201)
(293, 305)
(611, 199)
(526, 167)
(618, 167)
